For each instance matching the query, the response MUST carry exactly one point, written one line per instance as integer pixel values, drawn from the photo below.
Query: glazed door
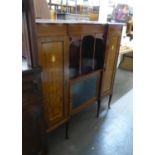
(112, 50)
(53, 59)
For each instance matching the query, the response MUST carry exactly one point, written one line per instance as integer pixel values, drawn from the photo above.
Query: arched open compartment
(86, 62)
(86, 55)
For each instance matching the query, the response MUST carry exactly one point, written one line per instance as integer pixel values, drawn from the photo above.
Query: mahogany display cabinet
(78, 61)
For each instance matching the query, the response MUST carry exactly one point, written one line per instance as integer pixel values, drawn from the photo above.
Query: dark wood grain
(34, 140)
(33, 123)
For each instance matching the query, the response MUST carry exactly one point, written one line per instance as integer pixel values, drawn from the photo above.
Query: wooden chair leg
(67, 128)
(110, 97)
(98, 107)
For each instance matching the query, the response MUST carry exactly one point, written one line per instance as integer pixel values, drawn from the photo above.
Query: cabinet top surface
(50, 21)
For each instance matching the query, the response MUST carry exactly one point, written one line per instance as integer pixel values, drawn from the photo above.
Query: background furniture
(41, 9)
(33, 123)
(69, 16)
(29, 40)
(126, 52)
(127, 61)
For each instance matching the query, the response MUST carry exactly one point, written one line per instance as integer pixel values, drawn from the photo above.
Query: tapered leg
(110, 97)
(67, 128)
(98, 107)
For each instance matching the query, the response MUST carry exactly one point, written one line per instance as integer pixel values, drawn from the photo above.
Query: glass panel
(80, 93)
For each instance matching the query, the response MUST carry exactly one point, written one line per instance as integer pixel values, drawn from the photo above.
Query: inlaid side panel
(52, 62)
(112, 50)
(110, 63)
